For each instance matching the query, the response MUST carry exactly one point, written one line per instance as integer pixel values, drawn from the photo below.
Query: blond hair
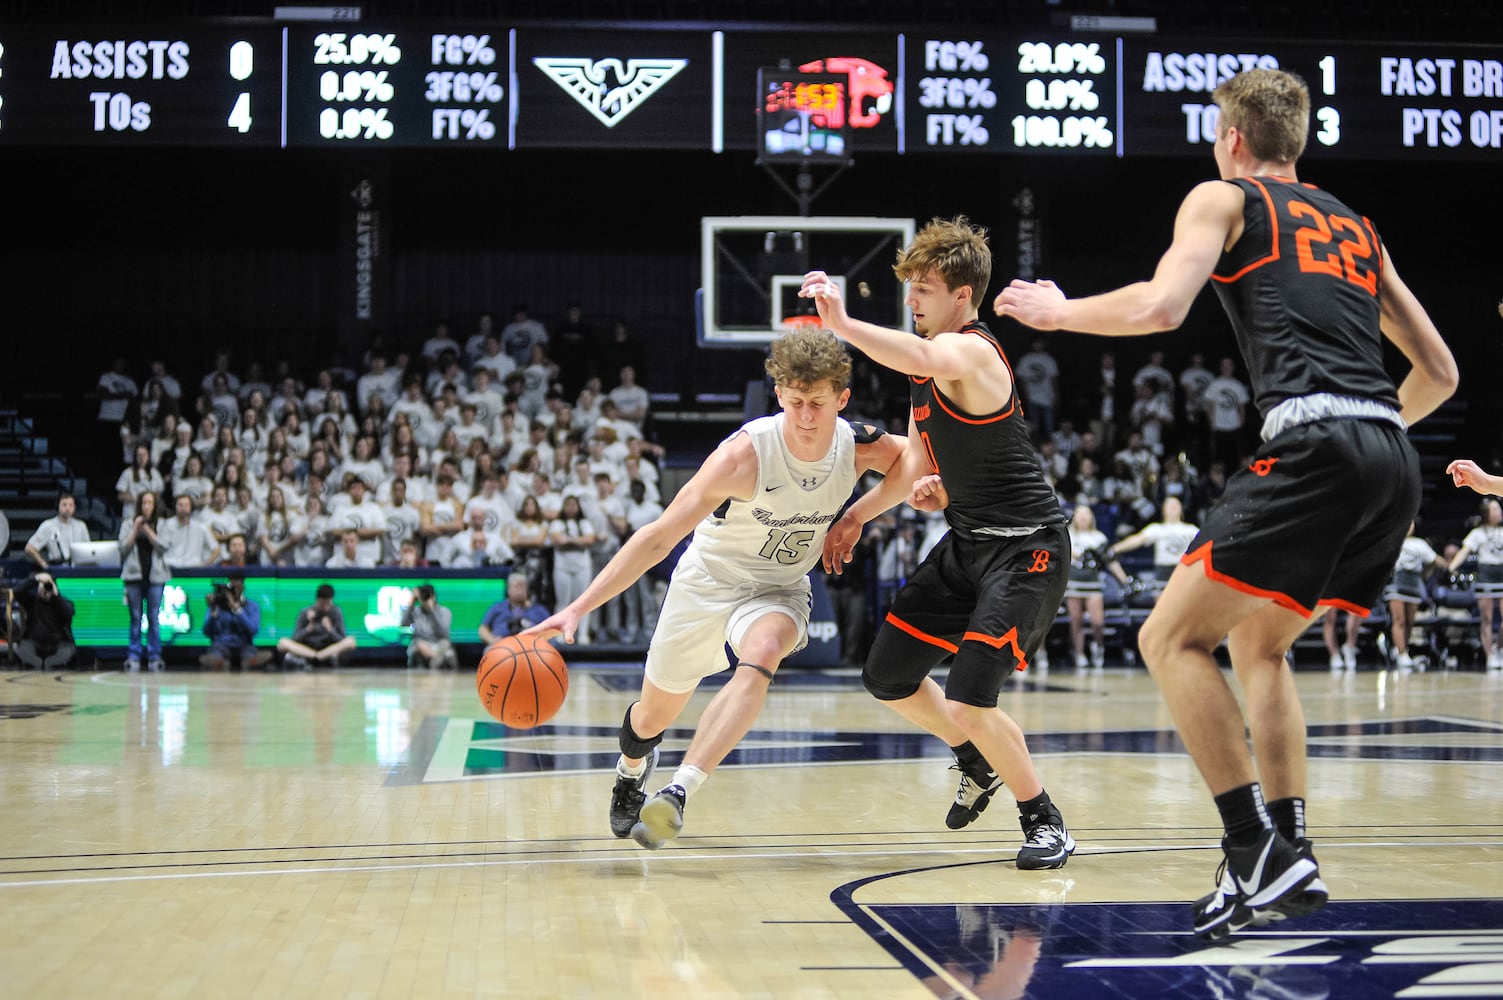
(806, 356)
(954, 250)
(1271, 108)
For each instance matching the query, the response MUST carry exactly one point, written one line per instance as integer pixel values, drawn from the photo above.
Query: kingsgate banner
(364, 261)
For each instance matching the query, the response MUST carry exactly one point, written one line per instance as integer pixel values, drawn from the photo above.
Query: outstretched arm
(1465, 472)
(729, 472)
(1135, 541)
(947, 358)
(1207, 219)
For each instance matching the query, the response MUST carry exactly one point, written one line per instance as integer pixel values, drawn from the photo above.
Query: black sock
(1034, 806)
(1288, 817)
(969, 756)
(1243, 814)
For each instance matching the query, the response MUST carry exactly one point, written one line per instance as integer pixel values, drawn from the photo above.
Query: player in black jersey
(1318, 517)
(988, 592)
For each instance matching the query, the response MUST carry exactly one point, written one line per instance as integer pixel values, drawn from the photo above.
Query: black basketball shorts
(1318, 518)
(988, 601)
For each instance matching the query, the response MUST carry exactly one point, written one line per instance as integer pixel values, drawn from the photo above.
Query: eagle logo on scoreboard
(608, 89)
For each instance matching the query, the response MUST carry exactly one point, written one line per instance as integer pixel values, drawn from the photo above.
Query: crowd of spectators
(473, 448)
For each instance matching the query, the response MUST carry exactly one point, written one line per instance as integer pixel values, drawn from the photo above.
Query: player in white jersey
(759, 507)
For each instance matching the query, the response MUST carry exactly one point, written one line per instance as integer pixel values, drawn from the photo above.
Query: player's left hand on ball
(562, 623)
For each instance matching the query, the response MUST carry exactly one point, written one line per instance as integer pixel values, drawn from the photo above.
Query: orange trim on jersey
(1273, 222)
(1372, 233)
(997, 642)
(1203, 555)
(921, 635)
(1012, 397)
(1347, 606)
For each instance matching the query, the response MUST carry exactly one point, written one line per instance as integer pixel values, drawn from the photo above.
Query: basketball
(522, 681)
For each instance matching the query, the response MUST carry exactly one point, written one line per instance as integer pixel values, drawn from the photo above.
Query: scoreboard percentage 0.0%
(355, 123)
(355, 85)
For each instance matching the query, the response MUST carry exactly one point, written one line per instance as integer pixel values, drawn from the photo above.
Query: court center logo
(1351, 950)
(607, 88)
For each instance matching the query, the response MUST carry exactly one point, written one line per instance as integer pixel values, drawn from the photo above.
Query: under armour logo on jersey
(605, 88)
(809, 483)
(1263, 466)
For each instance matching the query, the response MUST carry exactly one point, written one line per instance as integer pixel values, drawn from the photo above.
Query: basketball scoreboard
(256, 83)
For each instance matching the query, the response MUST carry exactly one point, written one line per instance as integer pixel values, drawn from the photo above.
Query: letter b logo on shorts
(1040, 561)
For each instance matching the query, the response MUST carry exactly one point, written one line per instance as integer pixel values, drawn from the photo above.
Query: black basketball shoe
(1304, 902)
(1047, 842)
(977, 786)
(1253, 883)
(627, 797)
(662, 818)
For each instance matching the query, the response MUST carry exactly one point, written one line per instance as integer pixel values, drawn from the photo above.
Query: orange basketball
(522, 681)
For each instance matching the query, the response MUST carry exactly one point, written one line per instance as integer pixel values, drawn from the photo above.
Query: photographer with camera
(46, 641)
(233, 622)
(319, 636)
(430, 622)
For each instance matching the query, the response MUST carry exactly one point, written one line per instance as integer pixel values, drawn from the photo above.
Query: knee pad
(632, 745)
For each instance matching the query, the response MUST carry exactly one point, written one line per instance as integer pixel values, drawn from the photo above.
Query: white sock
(689, 778)
(627, 771)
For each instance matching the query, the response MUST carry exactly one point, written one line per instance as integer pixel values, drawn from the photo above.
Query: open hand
(564, 623)
(1032, 303)
(826, 295)
(840, 544)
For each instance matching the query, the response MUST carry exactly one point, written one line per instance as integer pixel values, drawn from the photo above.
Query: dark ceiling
(1432, 20)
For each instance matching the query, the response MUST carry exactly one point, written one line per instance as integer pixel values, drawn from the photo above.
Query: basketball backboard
(753, 265)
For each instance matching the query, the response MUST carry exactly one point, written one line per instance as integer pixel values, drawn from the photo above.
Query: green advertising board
(372, 604)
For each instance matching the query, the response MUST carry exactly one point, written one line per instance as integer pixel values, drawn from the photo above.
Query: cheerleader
(1089, 555)
(1486, 541)
(1406, 592)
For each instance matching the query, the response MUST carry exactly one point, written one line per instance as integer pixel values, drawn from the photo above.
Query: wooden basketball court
(369, 834)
